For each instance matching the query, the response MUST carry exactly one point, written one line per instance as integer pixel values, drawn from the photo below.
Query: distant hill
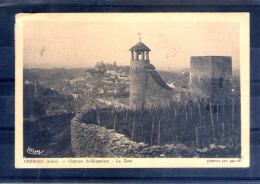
(46, 75)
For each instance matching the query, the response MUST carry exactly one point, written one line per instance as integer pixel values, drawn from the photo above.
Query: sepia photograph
(132, 90)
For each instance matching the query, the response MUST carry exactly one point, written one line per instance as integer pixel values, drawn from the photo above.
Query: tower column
(147, 55)
(132, 54)
(136, 55)
(142, 58)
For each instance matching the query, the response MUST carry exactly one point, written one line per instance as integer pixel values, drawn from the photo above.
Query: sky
(75, 44)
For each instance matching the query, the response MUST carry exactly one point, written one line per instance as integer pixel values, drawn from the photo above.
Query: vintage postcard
(132, 90)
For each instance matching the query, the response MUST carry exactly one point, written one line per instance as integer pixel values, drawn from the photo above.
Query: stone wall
(93, 141)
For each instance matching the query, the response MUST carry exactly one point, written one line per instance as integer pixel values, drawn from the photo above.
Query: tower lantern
(140, 52)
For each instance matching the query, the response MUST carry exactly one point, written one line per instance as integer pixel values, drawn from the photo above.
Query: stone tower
(211, 77)
(147, 88)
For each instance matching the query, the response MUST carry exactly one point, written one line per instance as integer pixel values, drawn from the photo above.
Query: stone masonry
(147, 88)
(211, 77)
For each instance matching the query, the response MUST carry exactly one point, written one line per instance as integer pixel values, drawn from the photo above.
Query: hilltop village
(66, 90)
(100, 85)
(105, 84)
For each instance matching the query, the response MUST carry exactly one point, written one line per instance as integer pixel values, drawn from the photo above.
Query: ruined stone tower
(147, 88)
(211, 77)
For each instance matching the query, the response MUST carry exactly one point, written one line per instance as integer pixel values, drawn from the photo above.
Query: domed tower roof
(140, 46)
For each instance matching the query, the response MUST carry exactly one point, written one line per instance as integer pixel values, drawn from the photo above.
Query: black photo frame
(8, 173)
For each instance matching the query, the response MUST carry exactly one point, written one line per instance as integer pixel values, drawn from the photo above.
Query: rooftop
(140, 46)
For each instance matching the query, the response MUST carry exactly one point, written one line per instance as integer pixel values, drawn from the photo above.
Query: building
(147, 88)
(211, 77)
